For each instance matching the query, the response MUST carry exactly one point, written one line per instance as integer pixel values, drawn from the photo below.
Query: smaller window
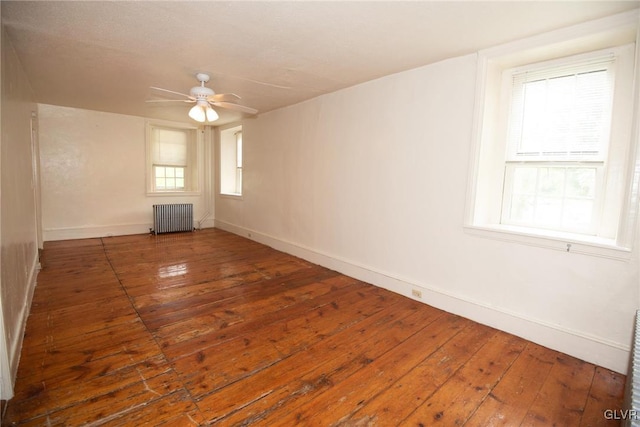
(238, 162)
(172, 159)
(231, 161)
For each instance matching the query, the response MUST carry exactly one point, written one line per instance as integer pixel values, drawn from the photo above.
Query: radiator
(630, 415)
(171, 218)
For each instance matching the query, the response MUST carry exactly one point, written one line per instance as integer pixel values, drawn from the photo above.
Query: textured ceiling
(105, 55)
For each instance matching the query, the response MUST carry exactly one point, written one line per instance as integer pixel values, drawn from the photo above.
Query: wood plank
(606, 394)
(356, 390)
(335, 359)
(392, 405)
(456, 400)
(509, 401)
(251, 353)
(339, 286)
(564, 394)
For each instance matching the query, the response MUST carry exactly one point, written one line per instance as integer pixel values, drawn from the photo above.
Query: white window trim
(618, 29)
(150, 187)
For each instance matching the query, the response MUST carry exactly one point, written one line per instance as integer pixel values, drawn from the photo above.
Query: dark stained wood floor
(210, 328)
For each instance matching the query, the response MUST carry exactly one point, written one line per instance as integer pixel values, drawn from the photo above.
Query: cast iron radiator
(173, 217)
(630, 415)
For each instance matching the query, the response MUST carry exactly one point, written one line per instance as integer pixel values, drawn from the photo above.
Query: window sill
(566, 242)
(236, 196)
(172, 193)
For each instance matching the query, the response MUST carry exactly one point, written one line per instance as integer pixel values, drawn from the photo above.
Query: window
(554, 146)
(172, 158)
(231, 161)
(557, 139)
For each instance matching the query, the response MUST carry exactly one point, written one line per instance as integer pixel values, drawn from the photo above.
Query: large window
(172, 159)
(231, 161)
(555, 153)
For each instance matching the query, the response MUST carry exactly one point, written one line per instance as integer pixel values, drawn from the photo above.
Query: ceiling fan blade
(236, 107)
(224, 97)
(171, 91)
(169, 100)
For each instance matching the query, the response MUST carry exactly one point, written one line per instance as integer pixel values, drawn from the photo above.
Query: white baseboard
(207, 223)
(10, 366)
(52, 234)
(592, 349)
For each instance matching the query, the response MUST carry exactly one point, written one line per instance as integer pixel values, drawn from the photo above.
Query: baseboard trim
(592, 349)
(207, 223)
(14, 348)
(52, 234)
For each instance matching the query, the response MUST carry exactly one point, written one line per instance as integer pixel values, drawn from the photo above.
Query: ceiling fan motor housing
(201, 92)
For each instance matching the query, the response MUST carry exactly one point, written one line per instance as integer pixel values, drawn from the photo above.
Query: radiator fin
(171, 218)
(631, 413)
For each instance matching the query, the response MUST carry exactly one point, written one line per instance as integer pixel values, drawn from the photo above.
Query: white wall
(372, 180)
(94, 179)
(18, 229)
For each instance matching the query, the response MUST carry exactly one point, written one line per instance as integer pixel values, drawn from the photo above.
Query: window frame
(231, 161)
(488, 160)
(515, 157)
(193, 167)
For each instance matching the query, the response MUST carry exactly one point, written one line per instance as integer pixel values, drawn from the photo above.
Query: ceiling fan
(204, 98)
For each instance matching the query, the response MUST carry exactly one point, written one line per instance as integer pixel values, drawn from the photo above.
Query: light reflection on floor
(173, 270)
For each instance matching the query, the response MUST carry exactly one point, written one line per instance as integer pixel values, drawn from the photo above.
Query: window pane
(179, 172)
(581, 182)
(577, 213)
(548, 211)
(524, 180)
(160, 171)
(533, 117)
(522, 208)
(180, 183)
(551, 182)
(553, 197)
(239, 150)
(171, 183)
(561, 115)
(160, 184)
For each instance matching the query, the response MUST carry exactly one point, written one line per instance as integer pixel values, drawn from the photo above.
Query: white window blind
(170, 147)
(562, 113)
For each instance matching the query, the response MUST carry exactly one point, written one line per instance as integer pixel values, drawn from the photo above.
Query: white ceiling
(105, 55)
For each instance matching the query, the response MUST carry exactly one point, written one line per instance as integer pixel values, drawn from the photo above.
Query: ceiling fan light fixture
(212, 116)
(202, 112)
(197, 113)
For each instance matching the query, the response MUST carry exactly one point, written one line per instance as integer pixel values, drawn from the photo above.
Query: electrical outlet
(416, 293)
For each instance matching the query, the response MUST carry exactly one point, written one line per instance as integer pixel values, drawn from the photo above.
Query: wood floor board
(290, 316)
(218, 368)
(607, 390)
(509, 401)
(564, 394)
(459, 397)
(350, 394)
(209, 328)
(336, 359)
(394, 404)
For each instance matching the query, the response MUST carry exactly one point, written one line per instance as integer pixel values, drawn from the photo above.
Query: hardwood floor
(209, 328)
